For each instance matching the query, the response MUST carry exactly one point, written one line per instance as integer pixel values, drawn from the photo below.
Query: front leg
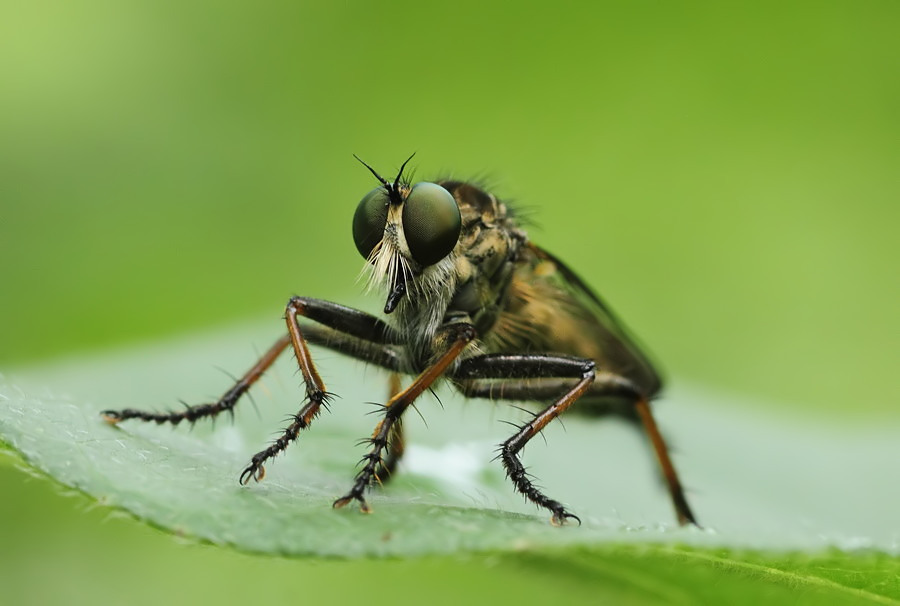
(192, 414)
(342, 329)
(346, 321)
(460, 335)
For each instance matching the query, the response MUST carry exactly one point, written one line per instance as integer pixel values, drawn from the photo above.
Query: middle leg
(469, 376)
(458, 336)
(396, 444)
(474, 377)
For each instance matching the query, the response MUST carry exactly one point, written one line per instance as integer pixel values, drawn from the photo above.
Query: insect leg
(682, 509)
(605, 384)
(192, 413)
(396, 443)
(376, 353)
(341, 328)
(338, 317)
(531, 366)
(460, 335)
(385, 356)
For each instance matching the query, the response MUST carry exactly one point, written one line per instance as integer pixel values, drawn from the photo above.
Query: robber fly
(473, 302)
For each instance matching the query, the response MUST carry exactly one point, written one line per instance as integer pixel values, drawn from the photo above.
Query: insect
(473, 302)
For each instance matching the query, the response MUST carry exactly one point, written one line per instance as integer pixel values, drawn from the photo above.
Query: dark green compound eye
(369, 221)
(431, 223)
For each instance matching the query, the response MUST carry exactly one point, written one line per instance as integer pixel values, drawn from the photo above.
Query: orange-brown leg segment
(461, 335)
(682, 509)
(509, 452)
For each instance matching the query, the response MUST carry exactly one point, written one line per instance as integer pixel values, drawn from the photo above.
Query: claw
(111, 416)
(363, 505)
(256, 472)
(559, 518)
(687, 520)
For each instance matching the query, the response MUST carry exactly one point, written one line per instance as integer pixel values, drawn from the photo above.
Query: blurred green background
(726, 176)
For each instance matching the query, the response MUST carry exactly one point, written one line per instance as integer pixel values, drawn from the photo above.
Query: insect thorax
(470, 284)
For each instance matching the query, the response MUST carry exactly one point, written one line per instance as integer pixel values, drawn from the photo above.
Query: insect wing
(605, 338)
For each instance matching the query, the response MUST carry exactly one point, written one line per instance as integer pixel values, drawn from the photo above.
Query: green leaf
(755, 482)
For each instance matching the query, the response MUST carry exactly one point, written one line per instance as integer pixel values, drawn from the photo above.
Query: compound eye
(431, 223)
(369, 221)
